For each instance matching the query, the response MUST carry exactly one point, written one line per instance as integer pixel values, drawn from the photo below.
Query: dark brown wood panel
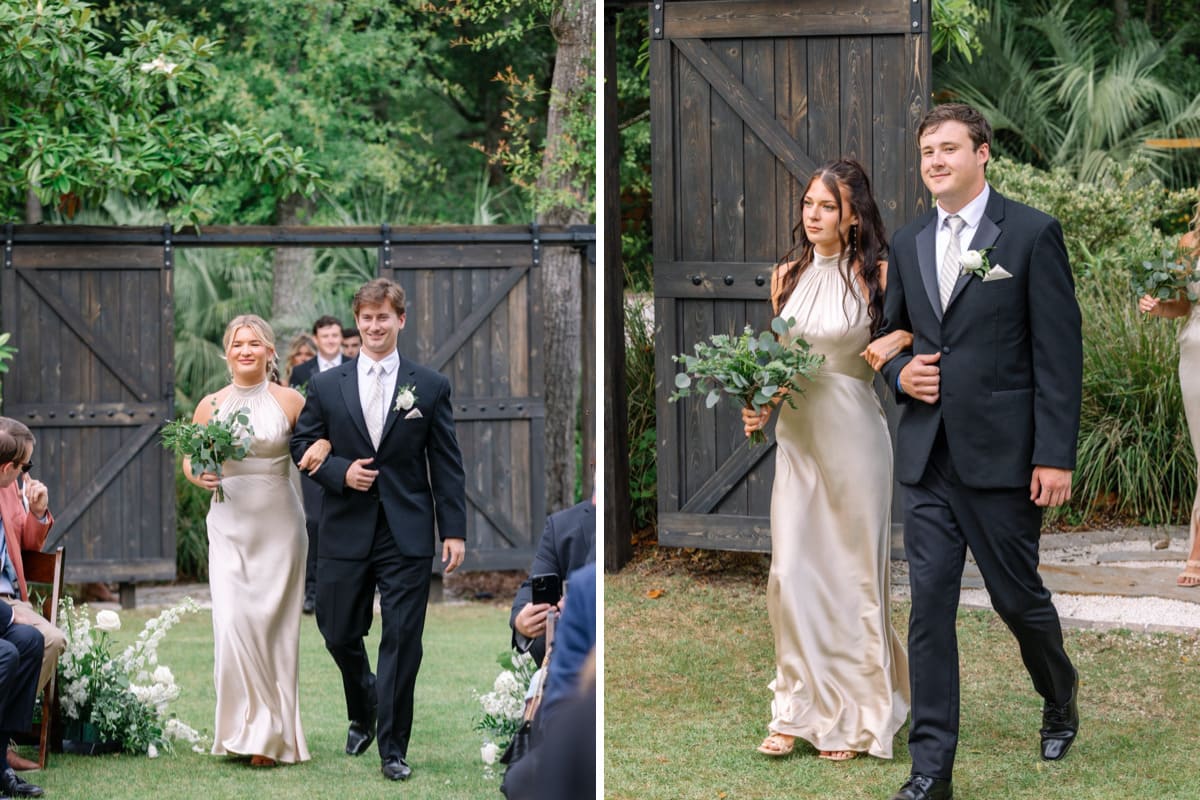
(772, 18)
(747, 99)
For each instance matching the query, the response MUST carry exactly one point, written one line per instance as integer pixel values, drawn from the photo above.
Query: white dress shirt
(323, 365)
(971, 214)
(366, 383)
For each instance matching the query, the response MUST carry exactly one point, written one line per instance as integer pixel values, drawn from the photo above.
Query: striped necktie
(951, 260)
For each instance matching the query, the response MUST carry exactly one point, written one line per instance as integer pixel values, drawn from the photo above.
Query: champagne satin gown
(1189, 382)
(257, 544)
(841, 680)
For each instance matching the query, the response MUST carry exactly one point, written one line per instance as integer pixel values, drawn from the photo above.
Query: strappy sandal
(262, 761)
(777, 745)
(838, 755)
(1190, 575)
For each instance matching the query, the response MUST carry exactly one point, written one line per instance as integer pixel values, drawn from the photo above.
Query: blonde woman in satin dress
(841, 676)
(1189, 381)
(257, 545)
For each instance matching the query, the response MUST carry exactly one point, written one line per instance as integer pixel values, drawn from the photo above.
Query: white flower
(405, 398)
(506, 683)
(489, 753)
(108, 621)
(161, 66)
(162, 674)
(152, 751)
(972, 260)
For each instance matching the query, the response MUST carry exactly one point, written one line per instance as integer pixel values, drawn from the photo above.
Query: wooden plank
(890, 154)
(99, 481)
(761, 198)
(669, 426)
(719, 483)
(500, 525)
(791, 107)
(713, 279)
(121, 259)
(857, 77)
(694, 202)
(461, 256)
(104, 351)
(698, 439)
(519, 446)
(824, 102)
(119, 571)
(725, 418)
(715, 531)
(769, 18)
(466, 327)
(728, 172)
(919, 80)
(761, 120)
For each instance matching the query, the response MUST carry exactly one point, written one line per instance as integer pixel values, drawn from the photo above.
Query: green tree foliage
(83, 113)
(954, 28)
(1063, 90)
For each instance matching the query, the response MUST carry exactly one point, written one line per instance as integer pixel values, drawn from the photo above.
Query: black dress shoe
(1059, 725)
(12, 786)
(359, 736)
(396, 769)
(310, 605)
(923, 787)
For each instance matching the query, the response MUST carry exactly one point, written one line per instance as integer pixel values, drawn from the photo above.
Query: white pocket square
(996, 273)
(414, 414)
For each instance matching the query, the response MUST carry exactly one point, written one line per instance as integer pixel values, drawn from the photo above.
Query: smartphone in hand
(547, 588)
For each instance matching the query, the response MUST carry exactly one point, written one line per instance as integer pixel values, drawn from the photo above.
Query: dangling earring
(853, 241)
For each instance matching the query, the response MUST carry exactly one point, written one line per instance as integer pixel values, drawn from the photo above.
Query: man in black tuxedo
(327, 333)
(395, 468)
(990, 391)
(568, 542)
(20, 663)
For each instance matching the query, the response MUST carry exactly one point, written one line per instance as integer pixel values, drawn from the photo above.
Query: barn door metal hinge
(168, 248)
(8, 241)
(656, 19)
(385, 246)
(914, 16)
(535, 233)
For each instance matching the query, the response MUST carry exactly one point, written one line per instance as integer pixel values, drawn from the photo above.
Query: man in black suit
(395, 467)
(990, 392)
(327, 333)
(20, 662)
(568, 542)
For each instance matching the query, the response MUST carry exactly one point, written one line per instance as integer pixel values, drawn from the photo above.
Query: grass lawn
(461, 645)
(686, 703)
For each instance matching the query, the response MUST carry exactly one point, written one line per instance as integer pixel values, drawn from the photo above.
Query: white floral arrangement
(504, 706)
(126, 697)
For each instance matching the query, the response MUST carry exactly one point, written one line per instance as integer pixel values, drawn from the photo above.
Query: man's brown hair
(377, 292)
(979, 129)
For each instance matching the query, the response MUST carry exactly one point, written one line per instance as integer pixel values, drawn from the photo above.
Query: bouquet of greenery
(752, 368)
(125, 697)
(210, 445)
(1166, 279)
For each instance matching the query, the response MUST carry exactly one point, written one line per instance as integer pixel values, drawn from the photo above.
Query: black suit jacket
(568, 542)
(1012, 352)
(420, 467)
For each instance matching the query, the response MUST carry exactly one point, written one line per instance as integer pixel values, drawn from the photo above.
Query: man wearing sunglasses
(25, 521)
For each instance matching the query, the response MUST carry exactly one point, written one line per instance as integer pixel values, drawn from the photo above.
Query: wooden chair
(46, 569)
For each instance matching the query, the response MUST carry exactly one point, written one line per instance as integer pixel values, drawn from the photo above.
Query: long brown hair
(866, 242)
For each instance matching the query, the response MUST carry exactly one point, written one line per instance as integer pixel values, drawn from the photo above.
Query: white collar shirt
(971, 214)
(323, 365)
(366, 381)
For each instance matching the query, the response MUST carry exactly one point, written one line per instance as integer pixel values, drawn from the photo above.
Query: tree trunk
(1120, 18)
(574, 26)
(292, 300)
(33, 208)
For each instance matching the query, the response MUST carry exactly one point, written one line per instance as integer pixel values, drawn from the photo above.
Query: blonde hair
(262, 330)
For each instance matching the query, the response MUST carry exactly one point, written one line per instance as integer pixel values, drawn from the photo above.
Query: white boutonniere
(406, 398)
(975, 262)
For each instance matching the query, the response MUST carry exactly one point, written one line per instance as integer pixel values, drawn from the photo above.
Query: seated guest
(25, 521)
(327, 332)
(568, 542)
(351, 342)
(21, 650)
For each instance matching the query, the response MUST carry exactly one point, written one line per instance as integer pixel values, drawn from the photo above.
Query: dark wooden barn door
(747, 99)
(94, 327)
(474, 314)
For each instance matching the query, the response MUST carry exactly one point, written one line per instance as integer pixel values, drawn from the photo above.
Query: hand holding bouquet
(207, 446)
(1166, 279)
(752, 368)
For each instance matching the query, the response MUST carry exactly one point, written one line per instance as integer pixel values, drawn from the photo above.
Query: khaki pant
(56, 641)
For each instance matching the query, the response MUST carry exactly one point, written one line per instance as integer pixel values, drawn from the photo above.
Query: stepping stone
(1094, 579)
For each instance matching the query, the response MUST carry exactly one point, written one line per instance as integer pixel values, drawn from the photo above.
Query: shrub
(639, 384)
(191, 530)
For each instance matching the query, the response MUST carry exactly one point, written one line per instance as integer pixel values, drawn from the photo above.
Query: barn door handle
(729, 280)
